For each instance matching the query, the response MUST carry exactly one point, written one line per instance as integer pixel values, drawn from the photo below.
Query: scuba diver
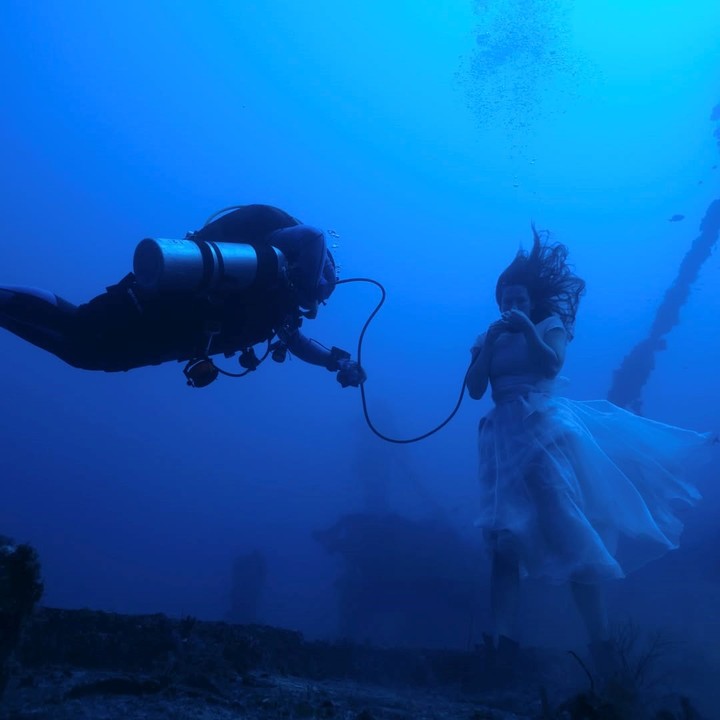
(249, 276)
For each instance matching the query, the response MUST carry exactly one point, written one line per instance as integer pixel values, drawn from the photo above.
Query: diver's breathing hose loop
(399, 441)
(248, 369)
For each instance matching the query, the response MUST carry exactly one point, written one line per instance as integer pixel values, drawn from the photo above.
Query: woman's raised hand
(516, 321)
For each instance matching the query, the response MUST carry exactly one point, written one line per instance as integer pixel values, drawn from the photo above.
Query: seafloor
(81, 664)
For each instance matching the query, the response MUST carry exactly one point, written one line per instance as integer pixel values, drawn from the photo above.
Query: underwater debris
(398, 575)
(20, 589)
(630, 378)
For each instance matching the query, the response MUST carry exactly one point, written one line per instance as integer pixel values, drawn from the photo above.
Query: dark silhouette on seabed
(403, 581)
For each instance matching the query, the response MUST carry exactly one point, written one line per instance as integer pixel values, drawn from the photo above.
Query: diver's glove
(348, 371)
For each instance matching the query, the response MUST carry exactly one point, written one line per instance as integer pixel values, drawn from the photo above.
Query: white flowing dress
(577, 490)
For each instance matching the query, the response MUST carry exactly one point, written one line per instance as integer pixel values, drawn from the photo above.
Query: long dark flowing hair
(553, 287)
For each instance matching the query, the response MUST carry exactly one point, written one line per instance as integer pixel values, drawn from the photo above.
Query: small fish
(676, 218)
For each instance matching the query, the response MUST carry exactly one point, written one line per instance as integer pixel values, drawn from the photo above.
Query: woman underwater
(571, 492)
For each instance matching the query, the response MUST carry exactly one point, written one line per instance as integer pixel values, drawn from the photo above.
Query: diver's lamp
(163, 264)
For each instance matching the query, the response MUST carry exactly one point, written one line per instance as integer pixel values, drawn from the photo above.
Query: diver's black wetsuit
(129, 326)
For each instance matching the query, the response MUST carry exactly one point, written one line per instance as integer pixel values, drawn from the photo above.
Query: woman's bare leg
(504, 593)
(590, 601)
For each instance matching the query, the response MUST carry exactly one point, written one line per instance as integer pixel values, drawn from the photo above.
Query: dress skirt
(583, 491)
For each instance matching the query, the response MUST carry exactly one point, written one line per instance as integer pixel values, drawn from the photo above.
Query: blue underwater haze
(423, 138)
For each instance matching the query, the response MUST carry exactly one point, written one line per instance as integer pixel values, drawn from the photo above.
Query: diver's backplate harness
(217, 270)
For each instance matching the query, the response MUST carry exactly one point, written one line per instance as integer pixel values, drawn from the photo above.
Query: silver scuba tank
(166, 264)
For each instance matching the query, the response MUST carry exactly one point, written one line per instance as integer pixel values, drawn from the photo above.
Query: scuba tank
(193, 265)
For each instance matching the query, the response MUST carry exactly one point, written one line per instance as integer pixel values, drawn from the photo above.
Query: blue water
(428, 137)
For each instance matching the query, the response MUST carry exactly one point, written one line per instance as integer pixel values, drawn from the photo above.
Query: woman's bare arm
(547, 352)
(479, 372)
